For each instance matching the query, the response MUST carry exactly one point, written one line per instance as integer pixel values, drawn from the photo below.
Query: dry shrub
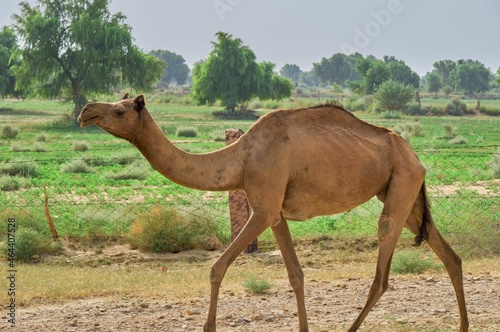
(164, 229)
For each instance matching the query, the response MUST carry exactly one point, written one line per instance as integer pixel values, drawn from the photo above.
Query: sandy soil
(413, 303)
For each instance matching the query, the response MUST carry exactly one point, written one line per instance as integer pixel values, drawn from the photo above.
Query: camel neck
(220, 170)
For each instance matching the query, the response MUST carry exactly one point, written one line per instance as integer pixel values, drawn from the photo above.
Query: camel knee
(216, 273)
(296, 277)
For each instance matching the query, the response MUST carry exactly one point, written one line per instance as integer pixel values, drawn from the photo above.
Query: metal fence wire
(464, 193)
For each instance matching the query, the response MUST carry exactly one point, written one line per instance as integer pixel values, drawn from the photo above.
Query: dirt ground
(412, 303)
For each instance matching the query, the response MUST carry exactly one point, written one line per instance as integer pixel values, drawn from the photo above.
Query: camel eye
(119, 112)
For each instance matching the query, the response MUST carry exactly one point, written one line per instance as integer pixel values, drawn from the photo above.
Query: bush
(458, 140)
(9, 132)
(80, 146)
(450, 132)
(30, 242)
(16, 147)
(456, 107)
(166, 230)
(76, 166)
(39, 147)
(186, 132)
(8, 183)
(390, 115)
(257, 286)
(411, 262)
(41, 138)
(415, 109)
(394, 96)
(20, 167)
(135, 171)
(218, 135)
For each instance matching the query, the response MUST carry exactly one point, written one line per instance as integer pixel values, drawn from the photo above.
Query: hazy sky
(419, 32)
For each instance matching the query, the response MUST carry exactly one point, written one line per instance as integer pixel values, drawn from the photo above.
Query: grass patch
(8, 183)
(20, 167)
(138, 170)
(411, 262)
(80, 146)
(186, 132)
(77, 166)
(256, 285)
(30, 242)
(9, 132)
(164, 229)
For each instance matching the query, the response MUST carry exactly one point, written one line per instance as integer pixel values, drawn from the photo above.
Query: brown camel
(297, 164)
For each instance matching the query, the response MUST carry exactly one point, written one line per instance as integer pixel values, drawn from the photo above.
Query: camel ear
(139, 103)
(127, 96)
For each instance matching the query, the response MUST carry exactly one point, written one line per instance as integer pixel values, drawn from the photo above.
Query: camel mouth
(87, 121)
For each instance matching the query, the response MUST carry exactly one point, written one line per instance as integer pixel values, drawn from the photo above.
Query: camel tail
(426, 218)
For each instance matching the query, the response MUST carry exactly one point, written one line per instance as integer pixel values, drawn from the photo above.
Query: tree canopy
(177, 71)
(339, 68)
(76, 48)
(231, 75)
(471, 76)
(434, 83)
(8, 46)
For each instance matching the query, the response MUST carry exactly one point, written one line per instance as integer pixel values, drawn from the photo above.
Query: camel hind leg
(398, 203)
(420, 222)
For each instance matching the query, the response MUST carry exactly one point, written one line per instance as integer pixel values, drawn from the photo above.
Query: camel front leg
(295, 274)
(257, 224)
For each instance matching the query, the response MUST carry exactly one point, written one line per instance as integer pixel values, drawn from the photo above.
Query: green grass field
(115, 184)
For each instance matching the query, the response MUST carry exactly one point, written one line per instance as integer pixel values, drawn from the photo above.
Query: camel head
(121, 119)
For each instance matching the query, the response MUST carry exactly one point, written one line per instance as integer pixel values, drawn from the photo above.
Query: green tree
(471, 76)
(77, 48)
(393, 96)
(444, 68)
(231, 75)
(177, 71)
(337, 69)
(8, 47)
(373, 72)
(290, 71)
(498, 76)
(401, 72)
(434, 83)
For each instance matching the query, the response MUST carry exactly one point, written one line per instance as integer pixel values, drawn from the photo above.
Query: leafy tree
(444, 68)
(401, 72)
(498, 76)
(392, 95)
(77, 48)
(337, 69)
(434, 83)
(373, 72)
(471, 76)
(8, 46)
(177, 71)
(231, 75)
(292, 72)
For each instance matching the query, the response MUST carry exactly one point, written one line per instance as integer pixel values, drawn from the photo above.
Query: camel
(294, 165)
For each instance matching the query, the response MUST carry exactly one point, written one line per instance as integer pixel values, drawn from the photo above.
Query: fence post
(239, 210)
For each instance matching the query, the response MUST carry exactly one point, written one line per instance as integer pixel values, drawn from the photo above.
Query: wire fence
(101, 196)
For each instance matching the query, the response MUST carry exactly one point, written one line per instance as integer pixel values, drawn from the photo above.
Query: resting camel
(294, 165)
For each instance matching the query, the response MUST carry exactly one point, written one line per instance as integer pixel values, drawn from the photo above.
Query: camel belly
(307, 206)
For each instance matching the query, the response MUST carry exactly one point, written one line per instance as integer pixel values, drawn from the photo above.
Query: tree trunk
(77, 111)
(77, 99)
